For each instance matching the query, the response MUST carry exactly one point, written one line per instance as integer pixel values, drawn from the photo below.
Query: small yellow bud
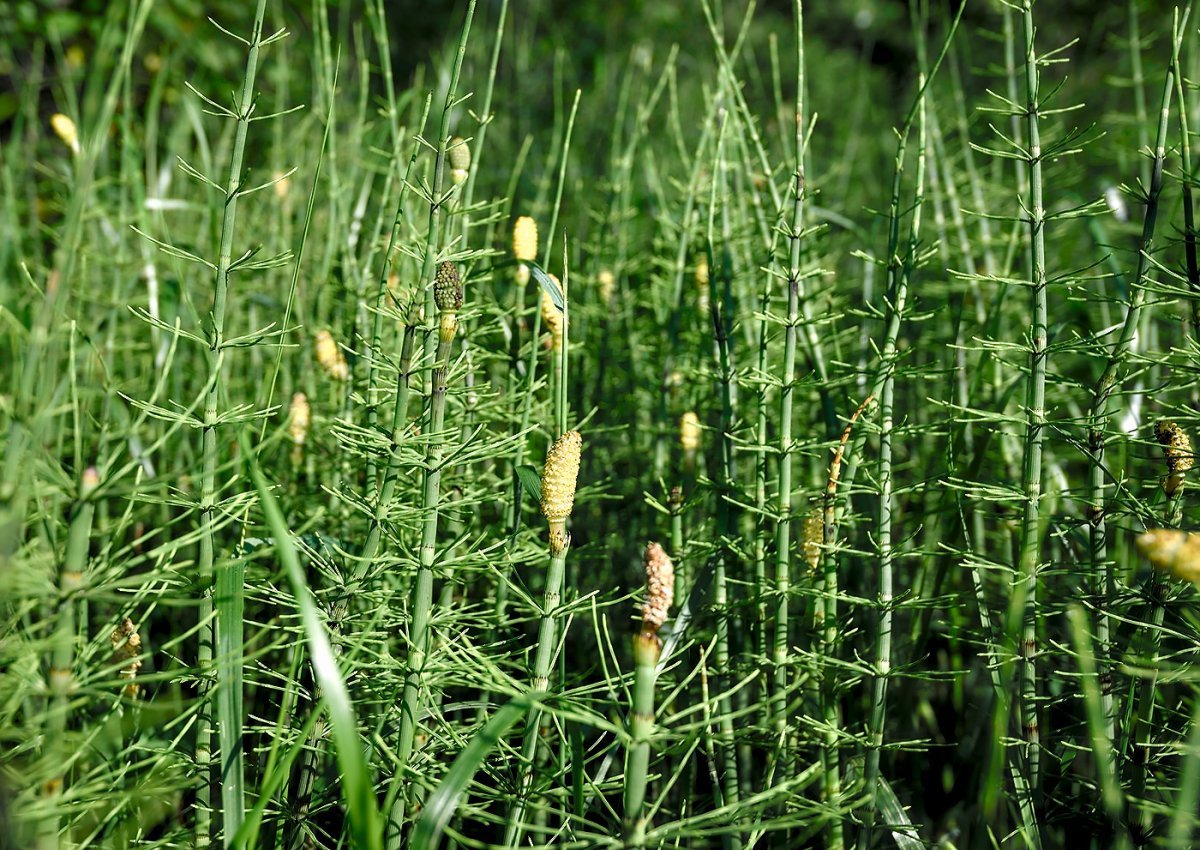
(460, 160)
(330, 357)
(459, 153)
(65, 129)
(559, 477)
(607, 285)
(1175, 552)
(690, 432)
(552, 319)
(299, 419)
(283, 185)
(90, 481)
(525, 239)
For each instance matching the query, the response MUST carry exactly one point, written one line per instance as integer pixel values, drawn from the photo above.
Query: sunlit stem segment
(647, 648)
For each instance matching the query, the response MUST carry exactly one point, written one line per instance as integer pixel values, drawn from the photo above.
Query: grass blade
(359, 796)
(444, 801)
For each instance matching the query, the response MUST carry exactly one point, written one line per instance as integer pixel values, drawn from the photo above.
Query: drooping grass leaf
(548, 285)
(530, 480)
(356, 778)
(445, 799)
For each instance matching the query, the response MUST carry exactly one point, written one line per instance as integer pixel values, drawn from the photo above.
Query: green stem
(370, 548)
(1137, 744)
(540, 681)
(1023, 610)
(783, 528)
(387, 486)
(897, 299)
(1183, 824)
(1185, 152)
(1104, 582)
(230, 778)
(646, 651)
(71, 583)
(721, 305)
(422, 599)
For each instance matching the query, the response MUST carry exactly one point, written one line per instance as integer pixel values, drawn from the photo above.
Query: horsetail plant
(559, 477)
(412, 314)
(783, 526)
(900, 272)
(1022, 619)
(647, 651)
(720, 308)
(1106, 387)
(71, 584)
(448, 297)
(1178, 459)
(226, 580)
(405, 637)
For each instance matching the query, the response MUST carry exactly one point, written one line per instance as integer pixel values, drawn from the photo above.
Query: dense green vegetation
(722, 426)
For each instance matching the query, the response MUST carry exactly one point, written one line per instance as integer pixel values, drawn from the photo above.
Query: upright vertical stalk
(559, 477)
(435, 329)
(1138, 82)
(1103, 579)
(647, 652)
(436, 201)
(71, 582)
(1183, 823)
(721, 307)
(228, 583)
(1022, 614)
(1185, 153)
(897, 300)
(1177, 448)
(387, 484)
(783, 528)
(448, 299)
